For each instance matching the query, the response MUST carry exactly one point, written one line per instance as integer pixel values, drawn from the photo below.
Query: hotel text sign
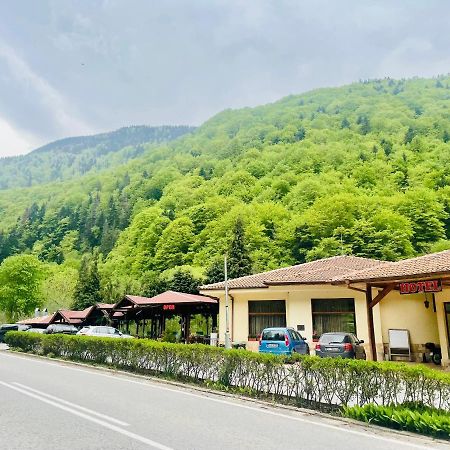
(415, 287)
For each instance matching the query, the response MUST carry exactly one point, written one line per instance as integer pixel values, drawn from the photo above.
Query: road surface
(52, 405)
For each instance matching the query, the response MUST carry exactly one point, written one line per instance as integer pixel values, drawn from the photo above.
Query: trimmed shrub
(413, 417)
(326, 383)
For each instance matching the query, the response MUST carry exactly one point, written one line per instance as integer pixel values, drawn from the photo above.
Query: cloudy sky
(86, 66)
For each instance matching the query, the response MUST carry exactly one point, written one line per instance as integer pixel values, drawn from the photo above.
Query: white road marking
(102, 423)
(73, 405)
(122, 377)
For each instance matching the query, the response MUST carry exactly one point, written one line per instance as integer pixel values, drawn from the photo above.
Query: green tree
(172, 248)
(426, 215)
(87, 290)
(20, 286)
(184, 281)
(215, 273)
(152, 284)
(409, 135)
(364, 125)
(239, 260)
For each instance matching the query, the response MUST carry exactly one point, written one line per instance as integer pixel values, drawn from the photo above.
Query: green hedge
(306, 380)
(410, 417)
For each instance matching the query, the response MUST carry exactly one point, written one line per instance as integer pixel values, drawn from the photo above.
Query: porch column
(372, 343)
(442, 328)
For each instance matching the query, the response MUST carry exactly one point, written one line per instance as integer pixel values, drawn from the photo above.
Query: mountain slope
(361, 169)
(72, 157)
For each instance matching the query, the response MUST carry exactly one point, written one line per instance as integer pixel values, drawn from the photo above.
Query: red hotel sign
(415, 287)
(168, 307)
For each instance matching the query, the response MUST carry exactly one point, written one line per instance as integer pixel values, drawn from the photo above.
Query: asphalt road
(51, 405)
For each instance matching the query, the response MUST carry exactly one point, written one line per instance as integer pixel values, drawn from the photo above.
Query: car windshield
(273, 335)
(332, 339)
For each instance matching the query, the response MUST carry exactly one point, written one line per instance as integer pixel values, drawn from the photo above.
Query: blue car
(282, 341)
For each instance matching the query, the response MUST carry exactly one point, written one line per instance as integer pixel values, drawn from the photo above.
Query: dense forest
(362, 169)
(76, 156)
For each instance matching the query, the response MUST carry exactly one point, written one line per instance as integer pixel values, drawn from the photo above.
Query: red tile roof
(314, 272)
(435, 264)
(181, 297)
(42, 320)
(138, 300)
(76, 317)
(170, 297)
(105, 305)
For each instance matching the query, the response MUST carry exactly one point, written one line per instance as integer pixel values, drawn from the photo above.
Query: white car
(102, 331)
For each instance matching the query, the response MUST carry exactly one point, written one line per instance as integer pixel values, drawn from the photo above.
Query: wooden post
(372, 342)
(164, 323)
(152, 327)
(161, 324)
(188, 326)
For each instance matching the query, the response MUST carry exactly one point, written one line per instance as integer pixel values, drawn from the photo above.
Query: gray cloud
(70, 67)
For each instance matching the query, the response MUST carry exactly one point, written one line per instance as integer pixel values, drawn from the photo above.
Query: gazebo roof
(180, 297)
(41, 320)
(172, 297)
(105, 306)
(74, 317)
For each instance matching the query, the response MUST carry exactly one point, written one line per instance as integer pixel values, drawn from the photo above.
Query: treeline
(76, 156)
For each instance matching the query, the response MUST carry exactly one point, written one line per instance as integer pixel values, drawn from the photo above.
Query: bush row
(409, 417)
(303, 380)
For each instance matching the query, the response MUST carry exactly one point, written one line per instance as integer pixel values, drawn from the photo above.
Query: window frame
(253, 314)
(331, 312)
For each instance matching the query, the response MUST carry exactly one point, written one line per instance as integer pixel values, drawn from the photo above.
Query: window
(333, 314)
(273, 335)
(265, 314)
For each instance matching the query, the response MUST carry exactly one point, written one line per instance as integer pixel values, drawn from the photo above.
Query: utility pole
(227, 314)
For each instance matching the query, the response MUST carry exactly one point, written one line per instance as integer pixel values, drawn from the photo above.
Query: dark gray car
(11, 327)
(343, 345)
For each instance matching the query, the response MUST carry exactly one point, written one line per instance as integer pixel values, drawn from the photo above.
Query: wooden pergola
(152, 313)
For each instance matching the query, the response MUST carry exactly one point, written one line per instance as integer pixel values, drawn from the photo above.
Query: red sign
(168, 307)
(415, 287)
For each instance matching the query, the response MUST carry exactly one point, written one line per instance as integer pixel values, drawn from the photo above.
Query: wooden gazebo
(152, 313)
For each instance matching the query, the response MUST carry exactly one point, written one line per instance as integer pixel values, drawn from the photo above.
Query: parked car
(11, 327)
(282, 341)
(102, 331)
(343, 345)
(37, 330)
(61, 328)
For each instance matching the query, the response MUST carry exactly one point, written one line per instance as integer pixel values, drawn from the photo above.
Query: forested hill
(71, 157)
(362, 169)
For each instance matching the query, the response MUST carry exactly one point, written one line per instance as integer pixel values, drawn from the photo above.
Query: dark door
(447, 320)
